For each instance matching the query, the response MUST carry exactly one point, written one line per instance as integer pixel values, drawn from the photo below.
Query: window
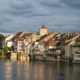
(78, 56)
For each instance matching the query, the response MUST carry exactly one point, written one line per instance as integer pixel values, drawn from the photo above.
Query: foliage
(6, 50)
(1, 37)
(2, 53)
(11, 48)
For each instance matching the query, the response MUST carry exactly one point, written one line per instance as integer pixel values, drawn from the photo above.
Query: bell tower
(43, 30)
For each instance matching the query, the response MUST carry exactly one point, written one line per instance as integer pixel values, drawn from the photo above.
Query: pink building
(43, 30)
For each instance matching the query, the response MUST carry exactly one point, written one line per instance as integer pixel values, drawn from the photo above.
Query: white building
(7, 41)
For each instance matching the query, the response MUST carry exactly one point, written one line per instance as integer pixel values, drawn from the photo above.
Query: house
(29, 40)
(50, 44)
(76, 51)
(52, 51)
(22, 41)
(8, 41)
(51, 47)
(18, 42)
(69, 41)
(68, 51)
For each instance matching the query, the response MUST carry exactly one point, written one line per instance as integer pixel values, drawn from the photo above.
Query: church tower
(43, 30)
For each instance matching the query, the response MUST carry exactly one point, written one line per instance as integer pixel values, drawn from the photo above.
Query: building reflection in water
(8, 70)
(38, 70)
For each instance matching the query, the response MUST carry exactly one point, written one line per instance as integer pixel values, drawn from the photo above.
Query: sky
(62, 16)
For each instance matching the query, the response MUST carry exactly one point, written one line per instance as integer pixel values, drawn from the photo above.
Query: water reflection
(38, 70)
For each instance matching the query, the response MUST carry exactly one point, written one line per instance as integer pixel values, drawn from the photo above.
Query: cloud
(51, 3)
(60, 3)
(64, 29)
(21, 5)
(18, 7)
(29, 15)
(72, 3)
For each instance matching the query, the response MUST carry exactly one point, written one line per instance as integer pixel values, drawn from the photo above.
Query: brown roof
(43, 27)
(67, 37)
(50, 42)
(26, 35)
(18, 34)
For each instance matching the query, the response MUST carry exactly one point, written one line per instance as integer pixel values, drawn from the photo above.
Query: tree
(11, 48)
(1, 37)
(6, 50)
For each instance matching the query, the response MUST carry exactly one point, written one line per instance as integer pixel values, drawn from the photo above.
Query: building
(22, 41)
(18, 42)
(43, 30)
(68, 41)
(8, 41)
(76, 51)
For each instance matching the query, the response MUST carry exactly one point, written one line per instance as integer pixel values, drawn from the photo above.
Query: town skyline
(62, 16)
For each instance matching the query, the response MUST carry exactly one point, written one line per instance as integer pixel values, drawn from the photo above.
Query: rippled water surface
(38, 70)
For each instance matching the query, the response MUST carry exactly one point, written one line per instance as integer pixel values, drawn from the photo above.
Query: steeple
(43, 27)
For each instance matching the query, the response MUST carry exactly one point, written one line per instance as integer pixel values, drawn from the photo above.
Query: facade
(18, 42)
(68, 51)
(9, 43)
(76, 51)
(67, 40)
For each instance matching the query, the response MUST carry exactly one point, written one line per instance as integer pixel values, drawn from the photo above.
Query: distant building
(7, 41)
(43, 30)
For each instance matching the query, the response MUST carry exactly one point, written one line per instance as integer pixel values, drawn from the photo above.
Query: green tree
(6, 50)
(1, 37)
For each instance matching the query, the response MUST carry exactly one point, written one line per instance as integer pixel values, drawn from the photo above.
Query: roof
(42, 37)
(69, 36)
(78, 39)
(26, 35)
(50, 42)
(43, 27)
(18, 34)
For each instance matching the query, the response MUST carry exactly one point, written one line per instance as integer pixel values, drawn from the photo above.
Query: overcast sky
(29, 15)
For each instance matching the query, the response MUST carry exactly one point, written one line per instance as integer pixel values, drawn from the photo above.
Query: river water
(38, 70)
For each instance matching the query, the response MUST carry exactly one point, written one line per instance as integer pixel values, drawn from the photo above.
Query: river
(38, 70)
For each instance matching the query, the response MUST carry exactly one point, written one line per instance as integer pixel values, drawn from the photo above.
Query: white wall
(9, 44)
